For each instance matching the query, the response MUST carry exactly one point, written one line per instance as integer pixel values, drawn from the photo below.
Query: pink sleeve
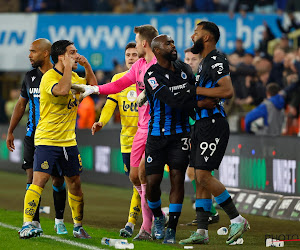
(117, 86)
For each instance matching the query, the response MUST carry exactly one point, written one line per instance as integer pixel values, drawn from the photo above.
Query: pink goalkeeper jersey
(134, 75)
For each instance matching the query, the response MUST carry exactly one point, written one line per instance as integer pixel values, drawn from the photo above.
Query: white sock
(238, 219)
(203, 232)
(59, 221)
(77, 225)
(131, 225)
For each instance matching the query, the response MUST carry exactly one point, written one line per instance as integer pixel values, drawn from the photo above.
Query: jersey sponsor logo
(150, 73)
(32, 78)
(178, 87)
(72, 104)
(167, 76)
(132, 106)
(220, 65)
(45, 165)
(214, 57)
(34, 91)
(183, 75)
(131, 95)
(153, 83)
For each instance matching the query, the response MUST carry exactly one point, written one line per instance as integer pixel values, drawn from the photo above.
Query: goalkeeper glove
(85, 89)
(141, 99)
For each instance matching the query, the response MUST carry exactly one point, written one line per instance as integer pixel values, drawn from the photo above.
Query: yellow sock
(31, 202)
(135, 207)
(76, 205)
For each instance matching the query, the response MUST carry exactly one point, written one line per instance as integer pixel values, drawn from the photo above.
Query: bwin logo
(149, 159)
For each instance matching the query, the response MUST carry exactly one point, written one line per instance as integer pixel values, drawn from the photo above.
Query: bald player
(39, 56)
(171, 94)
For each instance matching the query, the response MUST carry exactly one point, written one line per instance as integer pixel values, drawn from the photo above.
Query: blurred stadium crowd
(275, 60)
(145, 6)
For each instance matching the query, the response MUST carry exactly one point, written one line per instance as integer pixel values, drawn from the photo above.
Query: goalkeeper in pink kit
(144, 36)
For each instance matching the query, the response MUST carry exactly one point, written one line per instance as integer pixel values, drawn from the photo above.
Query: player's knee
(57, 181)
(40, 179)
(203, 180)
(134, 177)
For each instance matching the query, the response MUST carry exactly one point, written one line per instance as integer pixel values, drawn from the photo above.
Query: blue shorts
(126, 161)
(67, 160)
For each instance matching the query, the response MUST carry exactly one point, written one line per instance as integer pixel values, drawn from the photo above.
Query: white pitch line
(69, 242)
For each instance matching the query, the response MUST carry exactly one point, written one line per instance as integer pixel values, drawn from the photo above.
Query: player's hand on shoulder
(96, 127)
(208, 103)
(82, 60)
(10, 142)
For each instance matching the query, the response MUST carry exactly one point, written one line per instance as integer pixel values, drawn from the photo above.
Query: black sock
(229, 208)
(36, 217)
(156, 211)
(173, 219)
(59, 203)
(202, 218)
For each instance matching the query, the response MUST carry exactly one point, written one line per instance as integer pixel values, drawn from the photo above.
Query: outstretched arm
(106, 89)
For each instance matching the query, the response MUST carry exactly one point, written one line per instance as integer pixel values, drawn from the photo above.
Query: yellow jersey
(126, 101)
(58, 114)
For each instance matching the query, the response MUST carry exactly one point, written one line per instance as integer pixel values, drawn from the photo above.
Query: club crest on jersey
(149, 159)
(183, 75)
(153, 83)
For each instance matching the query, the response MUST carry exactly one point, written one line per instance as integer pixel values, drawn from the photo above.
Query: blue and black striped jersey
(212, 68)
(171, 95)
(31, 91)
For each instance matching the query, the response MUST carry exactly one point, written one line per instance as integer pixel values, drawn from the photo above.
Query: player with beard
(171, 93)
(39, 57)
(211, 134)
(194, 60)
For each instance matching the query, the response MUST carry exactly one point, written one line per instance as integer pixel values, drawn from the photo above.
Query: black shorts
(28, 152)
(67, 160)
(209, 141)
(173, 150)
(126, 161)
